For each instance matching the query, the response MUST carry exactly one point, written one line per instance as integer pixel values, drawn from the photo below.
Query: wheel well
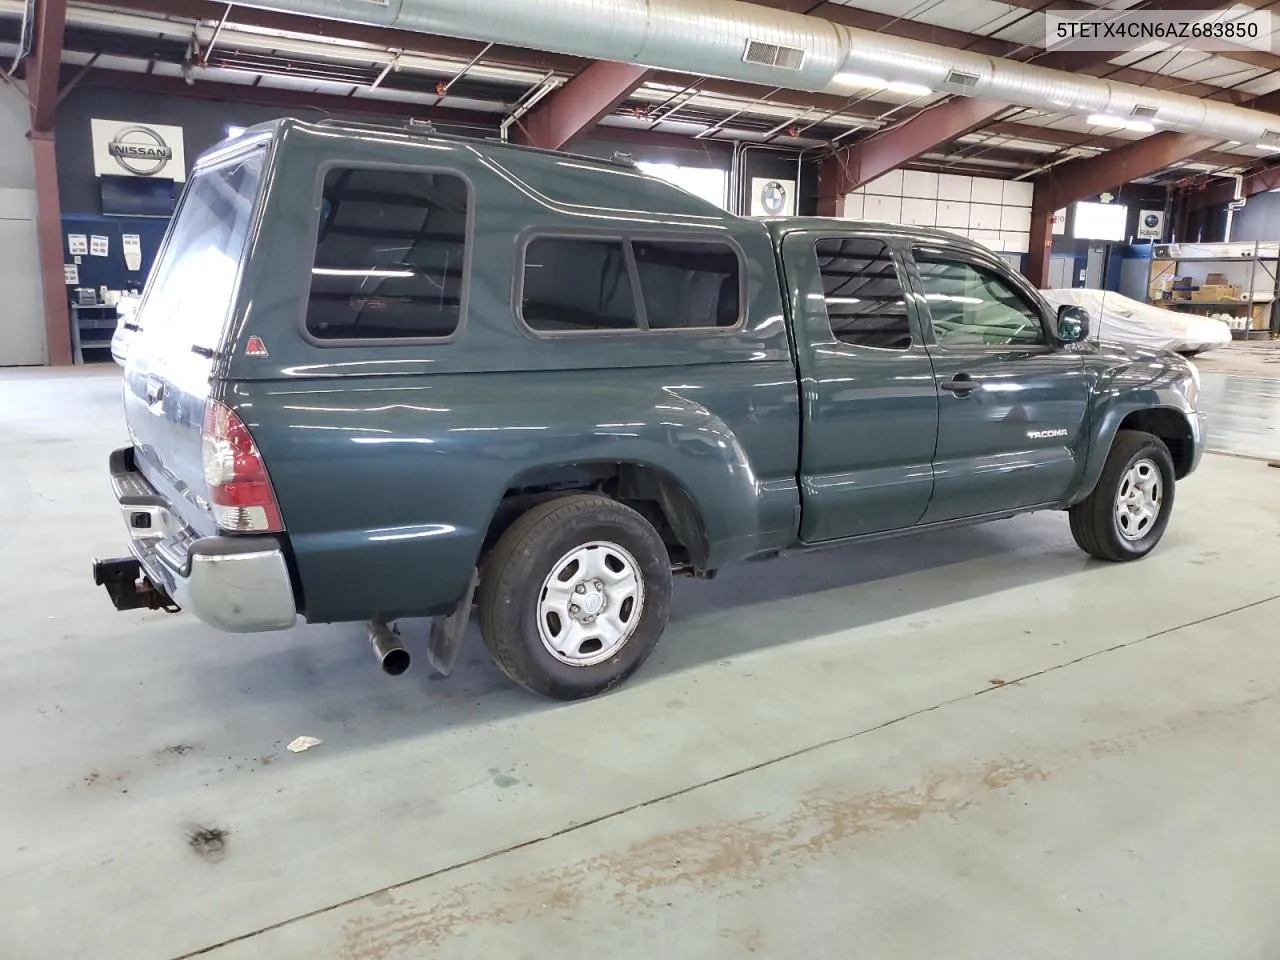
(658, 496)
(1171, 427)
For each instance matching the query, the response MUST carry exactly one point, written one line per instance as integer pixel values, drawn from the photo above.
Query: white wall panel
(1018, 193)
(987, 191)
(853, 206)
(1015, 242)
(920, 183)
(890, 185)
(920, 213)
(953, 214)
(984, 216)
(883, 208)
(1015, 219)
(953, 187)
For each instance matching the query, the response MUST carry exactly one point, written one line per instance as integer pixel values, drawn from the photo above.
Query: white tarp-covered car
(1118, 318)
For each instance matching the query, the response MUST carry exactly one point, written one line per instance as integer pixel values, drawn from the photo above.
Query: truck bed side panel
(387, 486)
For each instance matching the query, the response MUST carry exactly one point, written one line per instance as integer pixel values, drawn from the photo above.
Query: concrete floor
(971, 744)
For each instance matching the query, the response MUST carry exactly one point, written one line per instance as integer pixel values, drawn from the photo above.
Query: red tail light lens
(239, 488)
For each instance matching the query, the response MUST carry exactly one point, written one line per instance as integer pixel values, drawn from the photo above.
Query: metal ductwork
(743, 41)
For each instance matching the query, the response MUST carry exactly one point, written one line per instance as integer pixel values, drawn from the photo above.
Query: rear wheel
(574, 596)
(1127, 513)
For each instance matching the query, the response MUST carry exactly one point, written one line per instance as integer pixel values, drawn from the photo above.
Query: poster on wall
(1060, 222)
(131, 247)
(125, 149)
(77, 244)
(71, 273)
(99, 246)
(1150, 224)
(772, 198)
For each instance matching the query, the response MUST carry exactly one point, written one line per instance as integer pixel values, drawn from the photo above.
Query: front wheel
(574, 596)
(1126, 514)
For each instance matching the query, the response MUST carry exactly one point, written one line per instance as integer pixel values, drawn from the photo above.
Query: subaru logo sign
(140, 150)
(773, 198)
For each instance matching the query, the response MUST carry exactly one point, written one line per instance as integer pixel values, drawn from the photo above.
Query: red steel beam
(575, 107)
(1087, 177)
(46, 62)
(57, 315)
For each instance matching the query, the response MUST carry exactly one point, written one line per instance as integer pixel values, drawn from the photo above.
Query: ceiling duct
(714, 38)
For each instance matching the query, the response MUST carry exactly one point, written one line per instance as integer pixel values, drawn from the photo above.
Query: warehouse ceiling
(224, 51)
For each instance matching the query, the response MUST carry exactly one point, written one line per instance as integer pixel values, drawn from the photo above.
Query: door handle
(963, 383)
(155, 390)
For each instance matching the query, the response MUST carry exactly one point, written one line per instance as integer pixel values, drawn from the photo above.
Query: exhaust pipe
(391, 654)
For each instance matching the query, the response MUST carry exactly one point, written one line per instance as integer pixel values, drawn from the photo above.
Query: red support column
(832, 186)
(43, 70)
(57, 318)
(1043, 204)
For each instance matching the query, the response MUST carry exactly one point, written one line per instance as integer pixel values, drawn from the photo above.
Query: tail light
(239, 488)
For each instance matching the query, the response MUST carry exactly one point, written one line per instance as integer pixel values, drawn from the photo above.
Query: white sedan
(1118, 318)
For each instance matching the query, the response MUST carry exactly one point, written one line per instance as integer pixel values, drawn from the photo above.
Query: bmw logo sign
(773, 197)
(1151, 221)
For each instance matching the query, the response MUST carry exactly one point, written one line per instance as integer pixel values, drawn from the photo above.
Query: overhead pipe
(743, 41)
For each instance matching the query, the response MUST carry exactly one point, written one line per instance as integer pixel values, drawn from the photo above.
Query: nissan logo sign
(140, 150)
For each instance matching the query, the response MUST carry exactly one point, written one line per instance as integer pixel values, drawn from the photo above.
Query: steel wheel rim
(1139, 499)
(590, 603)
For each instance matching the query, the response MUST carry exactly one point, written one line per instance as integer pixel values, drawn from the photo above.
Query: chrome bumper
(237, 584)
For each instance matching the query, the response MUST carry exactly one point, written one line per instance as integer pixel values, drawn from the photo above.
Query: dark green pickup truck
(391, 374)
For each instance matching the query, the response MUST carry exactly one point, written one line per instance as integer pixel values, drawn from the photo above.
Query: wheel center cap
(592, 602)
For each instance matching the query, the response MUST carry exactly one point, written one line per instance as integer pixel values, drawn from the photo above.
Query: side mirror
(1073, 324)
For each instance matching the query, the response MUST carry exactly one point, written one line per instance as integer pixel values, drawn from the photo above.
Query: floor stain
(210, 843)
(702, 858)
(749, 940)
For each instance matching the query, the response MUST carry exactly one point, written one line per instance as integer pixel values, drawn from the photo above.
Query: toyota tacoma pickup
(388, 374)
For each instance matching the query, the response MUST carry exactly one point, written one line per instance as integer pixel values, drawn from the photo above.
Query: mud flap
(447, 632)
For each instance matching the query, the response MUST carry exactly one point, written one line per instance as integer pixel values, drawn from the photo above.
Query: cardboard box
(1216, 279)
(1215, 292)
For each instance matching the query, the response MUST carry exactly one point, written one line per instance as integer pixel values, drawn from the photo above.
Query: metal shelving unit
(1263, 322)
(92, 327)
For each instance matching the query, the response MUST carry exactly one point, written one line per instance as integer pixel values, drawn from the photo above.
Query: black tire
(511, 584)
(1093, 520)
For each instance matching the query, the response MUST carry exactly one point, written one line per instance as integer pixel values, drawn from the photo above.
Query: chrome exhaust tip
(391, 653)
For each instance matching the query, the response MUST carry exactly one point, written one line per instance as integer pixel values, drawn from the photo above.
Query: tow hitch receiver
(129, 588)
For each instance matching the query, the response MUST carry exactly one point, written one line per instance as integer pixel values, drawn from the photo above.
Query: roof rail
(425, 128)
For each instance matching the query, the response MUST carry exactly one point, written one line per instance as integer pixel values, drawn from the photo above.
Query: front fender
(1129, 381)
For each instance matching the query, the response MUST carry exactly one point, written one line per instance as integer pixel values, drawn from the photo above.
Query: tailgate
(182, 322)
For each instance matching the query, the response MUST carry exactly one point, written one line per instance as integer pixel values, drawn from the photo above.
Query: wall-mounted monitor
(137, 196)
(1100, 221)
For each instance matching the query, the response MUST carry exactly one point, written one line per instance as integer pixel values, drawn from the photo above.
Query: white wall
(995, 213)
(22, 338)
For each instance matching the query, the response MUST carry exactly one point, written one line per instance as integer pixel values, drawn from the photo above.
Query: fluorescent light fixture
(1266, 146)
(848, 300)
(877, 83)
(337, 272)
(233, 132)
(1124, 123)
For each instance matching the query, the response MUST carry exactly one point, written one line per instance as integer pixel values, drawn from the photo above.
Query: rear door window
(864, 297)
(390, 255)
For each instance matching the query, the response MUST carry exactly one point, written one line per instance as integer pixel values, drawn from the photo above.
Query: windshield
(191, 288)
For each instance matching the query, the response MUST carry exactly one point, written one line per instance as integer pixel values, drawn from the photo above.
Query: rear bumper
(238, 584)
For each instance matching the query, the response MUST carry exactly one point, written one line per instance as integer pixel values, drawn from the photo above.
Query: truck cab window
(971, 305)
(864, 297)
